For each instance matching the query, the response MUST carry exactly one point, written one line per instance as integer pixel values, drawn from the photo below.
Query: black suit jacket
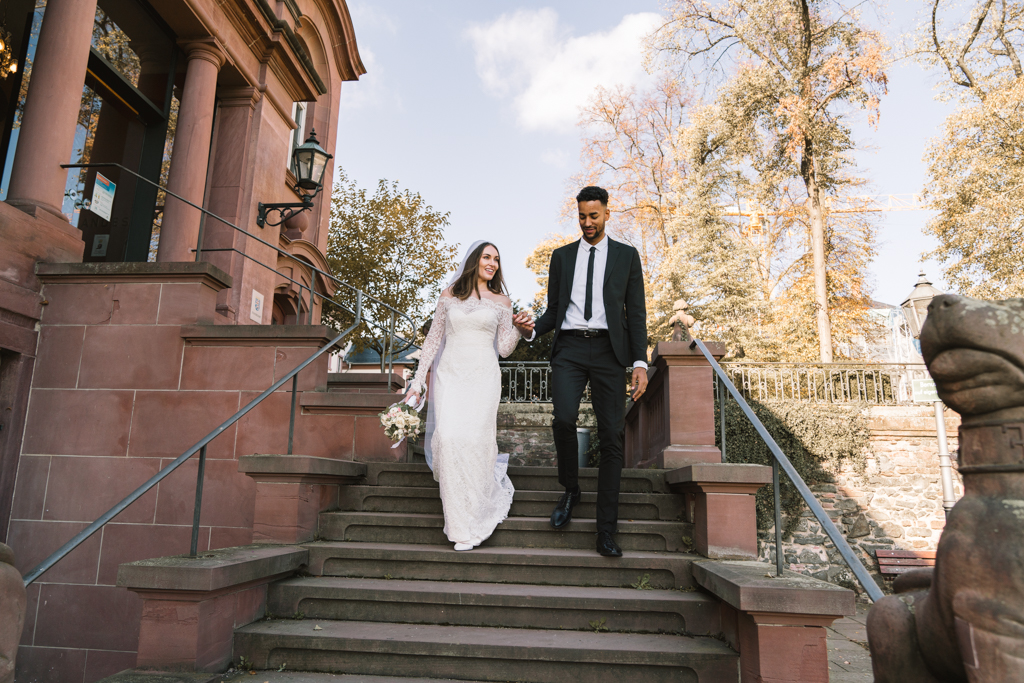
(623, 299)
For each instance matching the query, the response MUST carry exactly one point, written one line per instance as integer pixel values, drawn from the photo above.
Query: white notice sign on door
(102, 197)
(256, 311)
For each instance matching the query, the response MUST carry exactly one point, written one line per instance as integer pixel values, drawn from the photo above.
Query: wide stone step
(522, 532)
(543, 566)
(494, 604)
(299, 677)
(523, 478)
(486, 654)
(423, 500)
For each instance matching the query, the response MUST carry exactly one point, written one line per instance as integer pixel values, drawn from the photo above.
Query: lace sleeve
(431, 344)
(508, 335)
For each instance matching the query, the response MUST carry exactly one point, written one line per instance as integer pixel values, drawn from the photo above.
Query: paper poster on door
(102, 197)
(256, 311)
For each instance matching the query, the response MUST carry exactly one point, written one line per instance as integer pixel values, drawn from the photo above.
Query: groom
(596, 308)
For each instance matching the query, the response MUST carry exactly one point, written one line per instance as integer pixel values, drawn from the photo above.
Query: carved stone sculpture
(12, 613)
(963, 620)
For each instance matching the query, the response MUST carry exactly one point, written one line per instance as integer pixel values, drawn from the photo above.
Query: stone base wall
(524, 432)
(894, 504)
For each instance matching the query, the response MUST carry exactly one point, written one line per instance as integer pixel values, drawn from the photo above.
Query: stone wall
(895, 503)
(524, 432)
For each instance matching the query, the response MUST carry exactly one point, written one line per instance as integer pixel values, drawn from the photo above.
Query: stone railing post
(673, 424)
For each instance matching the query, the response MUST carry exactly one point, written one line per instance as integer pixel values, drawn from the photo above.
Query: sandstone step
(314, 677)
(547, 566)
(494, 604)
(423, 500)
(523, 478)
(523, 532)
(487, 654)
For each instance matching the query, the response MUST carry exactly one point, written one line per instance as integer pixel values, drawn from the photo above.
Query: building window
(298, 135)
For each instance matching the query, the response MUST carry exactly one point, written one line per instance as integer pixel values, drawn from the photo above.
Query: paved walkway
(848, 657)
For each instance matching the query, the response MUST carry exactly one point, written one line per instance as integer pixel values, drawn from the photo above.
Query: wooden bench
(891, 562)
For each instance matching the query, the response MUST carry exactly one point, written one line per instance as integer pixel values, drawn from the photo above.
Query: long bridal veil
(435, 387)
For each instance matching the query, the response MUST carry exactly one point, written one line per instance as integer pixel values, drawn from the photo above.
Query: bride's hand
(523, 322)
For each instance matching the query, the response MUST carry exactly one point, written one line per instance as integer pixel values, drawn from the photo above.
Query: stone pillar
(292, 491)
(721, 504)
(51, 108)
(776, 624)
(230, 195)
(191, 607)
(179, 230)
(673, 424)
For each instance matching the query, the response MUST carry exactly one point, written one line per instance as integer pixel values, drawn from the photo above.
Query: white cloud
(528, 57)
(558, 158)
(365, 15)
(370, 90)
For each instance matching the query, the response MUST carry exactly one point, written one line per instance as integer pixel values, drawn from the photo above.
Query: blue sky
(472, 103)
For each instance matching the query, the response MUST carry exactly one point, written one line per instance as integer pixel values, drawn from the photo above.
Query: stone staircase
(385, 594)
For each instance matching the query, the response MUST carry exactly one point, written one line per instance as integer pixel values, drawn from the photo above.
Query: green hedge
(817, 437)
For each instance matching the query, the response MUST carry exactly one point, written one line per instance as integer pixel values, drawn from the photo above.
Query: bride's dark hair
(466, 284)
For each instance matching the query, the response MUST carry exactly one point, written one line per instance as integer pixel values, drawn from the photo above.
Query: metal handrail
(393, 312)
(200, 447)
(780, 460)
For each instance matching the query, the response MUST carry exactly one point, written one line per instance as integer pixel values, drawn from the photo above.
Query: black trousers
(574, 362)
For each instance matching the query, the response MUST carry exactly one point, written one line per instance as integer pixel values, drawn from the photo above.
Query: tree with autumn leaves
(726, 197)
(976, 167)
(792, 73)
(389, 244)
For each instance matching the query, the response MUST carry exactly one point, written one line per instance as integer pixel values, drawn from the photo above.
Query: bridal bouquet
(401, 421)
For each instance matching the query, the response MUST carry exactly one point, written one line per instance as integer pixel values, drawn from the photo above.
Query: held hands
(639, 383)
(523, 321)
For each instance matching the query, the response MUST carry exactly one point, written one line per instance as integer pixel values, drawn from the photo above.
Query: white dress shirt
(574, 319)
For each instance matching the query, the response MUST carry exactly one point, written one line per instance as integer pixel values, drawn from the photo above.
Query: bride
(473, 324)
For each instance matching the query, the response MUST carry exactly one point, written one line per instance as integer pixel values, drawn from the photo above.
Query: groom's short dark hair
(592, 193)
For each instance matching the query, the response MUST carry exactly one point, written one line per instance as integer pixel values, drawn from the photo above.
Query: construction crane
(866, 203)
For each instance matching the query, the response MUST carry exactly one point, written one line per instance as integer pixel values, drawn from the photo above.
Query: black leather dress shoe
(563, 511)
(606, 545)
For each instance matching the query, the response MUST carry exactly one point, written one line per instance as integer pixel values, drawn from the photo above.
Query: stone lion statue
(12, 613)
(963, 620)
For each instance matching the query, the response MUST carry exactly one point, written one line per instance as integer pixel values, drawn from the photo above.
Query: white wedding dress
(476, 492)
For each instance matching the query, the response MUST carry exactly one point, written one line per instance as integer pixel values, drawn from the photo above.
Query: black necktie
(588, 306)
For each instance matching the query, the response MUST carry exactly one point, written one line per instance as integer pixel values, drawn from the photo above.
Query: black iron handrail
(390, 338)
(200, 447)
(781, 461)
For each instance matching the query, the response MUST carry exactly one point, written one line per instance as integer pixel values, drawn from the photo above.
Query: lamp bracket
(263, 218)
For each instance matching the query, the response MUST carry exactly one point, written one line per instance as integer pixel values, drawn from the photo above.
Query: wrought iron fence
(873, 383)
(525, 382)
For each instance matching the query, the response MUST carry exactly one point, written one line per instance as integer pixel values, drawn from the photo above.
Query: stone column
(179, 230)
(51, 108)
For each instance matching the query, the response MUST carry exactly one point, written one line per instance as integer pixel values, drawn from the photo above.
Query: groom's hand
(639, 383)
